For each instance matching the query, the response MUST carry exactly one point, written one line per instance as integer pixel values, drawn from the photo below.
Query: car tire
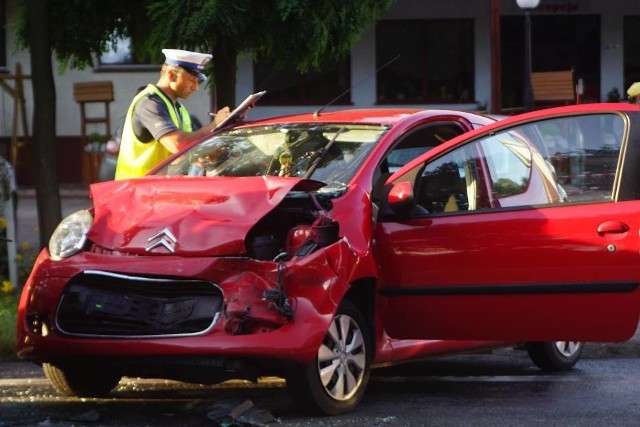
(556, 355)
(81, 380)
(335, 381)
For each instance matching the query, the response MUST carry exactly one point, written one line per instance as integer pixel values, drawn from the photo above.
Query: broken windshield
(331, 153)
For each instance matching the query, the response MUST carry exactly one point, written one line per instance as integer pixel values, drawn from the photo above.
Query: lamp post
(527, 5)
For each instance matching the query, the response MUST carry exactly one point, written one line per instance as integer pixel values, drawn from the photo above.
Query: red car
(315, 247)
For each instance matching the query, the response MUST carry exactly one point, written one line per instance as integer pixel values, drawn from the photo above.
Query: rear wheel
(83, 380)
(335, 381)
(556, 355)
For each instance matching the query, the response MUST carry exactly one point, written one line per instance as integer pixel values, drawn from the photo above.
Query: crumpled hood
(206, 216)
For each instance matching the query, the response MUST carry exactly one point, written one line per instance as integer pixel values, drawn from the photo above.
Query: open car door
(504, 237)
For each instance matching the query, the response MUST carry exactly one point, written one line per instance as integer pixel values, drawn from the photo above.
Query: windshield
(331, 153)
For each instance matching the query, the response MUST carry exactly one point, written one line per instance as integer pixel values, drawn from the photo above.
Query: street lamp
(527, 5)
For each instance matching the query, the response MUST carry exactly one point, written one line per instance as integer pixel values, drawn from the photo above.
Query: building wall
(363, 62)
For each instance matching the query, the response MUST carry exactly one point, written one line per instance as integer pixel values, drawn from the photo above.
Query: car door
(520, 234)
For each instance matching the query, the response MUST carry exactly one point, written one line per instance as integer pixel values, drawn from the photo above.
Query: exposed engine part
(277, 296)
(298, 226)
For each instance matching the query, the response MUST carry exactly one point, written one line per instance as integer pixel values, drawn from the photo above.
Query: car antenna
(316, 114)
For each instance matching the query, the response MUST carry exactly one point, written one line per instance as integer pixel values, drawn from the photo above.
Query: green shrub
(8, 314)
(25, 257)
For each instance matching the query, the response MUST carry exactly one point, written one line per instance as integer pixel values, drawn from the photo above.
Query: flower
(6, 286)
(25, 257)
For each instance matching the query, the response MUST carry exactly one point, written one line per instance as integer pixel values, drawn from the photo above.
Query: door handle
(612, 227)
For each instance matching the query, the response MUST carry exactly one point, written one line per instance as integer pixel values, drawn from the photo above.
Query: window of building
(631, 52)
(121, 57)
(436, 62)
(290, 87)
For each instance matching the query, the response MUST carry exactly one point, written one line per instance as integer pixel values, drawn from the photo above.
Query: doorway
(557, 43)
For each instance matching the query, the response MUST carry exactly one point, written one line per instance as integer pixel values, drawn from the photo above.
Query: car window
(420, 141)
(509, 161)
(412, 145)
(583, 152)
(449, 184)
(566, 159)
(498, 171)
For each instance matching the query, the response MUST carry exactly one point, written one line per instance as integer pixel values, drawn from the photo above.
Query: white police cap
(193, 62)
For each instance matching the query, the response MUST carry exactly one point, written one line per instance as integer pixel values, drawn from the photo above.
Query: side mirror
(400, 199)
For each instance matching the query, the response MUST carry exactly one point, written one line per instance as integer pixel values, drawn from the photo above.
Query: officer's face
(185, 84)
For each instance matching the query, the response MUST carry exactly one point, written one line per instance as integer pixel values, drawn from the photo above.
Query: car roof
(382, 116)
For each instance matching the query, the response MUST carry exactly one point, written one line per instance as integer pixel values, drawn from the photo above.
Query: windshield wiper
(321, 153)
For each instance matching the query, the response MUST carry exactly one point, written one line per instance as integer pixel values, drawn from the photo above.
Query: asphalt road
(498, 389)
(501, 388)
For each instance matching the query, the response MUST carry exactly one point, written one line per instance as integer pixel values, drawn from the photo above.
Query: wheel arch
(361, 293)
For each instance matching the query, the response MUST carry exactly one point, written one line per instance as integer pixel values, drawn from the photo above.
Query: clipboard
(239, 111)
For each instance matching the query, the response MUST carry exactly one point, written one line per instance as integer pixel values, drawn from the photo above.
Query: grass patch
(8, 315)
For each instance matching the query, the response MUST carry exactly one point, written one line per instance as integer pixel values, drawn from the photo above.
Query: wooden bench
(553, 87)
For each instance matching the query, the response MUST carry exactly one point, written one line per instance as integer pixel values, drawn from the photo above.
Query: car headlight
(70, 235)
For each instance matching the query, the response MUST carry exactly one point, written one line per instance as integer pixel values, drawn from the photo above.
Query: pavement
(72, 198)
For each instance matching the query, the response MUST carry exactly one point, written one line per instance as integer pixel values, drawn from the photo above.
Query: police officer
(156, 124)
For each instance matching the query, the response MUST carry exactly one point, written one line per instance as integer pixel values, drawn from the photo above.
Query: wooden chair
(553, 88)
(85, 93)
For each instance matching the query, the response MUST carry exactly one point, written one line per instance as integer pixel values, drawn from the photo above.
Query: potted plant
(613, 95)
(96, 143)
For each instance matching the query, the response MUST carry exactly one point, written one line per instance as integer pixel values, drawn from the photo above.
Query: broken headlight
(70, 235)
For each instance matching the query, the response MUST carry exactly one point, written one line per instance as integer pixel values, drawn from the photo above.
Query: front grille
(98, 303)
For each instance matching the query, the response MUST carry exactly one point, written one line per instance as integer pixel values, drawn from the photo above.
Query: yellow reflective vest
(136, 158)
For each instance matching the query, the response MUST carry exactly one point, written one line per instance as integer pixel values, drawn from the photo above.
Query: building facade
(457, 54)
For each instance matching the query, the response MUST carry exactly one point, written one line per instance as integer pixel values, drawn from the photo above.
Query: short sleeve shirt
(151, 120)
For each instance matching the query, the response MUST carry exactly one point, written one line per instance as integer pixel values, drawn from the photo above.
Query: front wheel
(81, 379)
(335, 381)
(556, 355)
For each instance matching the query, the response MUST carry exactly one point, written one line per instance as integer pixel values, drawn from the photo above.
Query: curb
(72, 191)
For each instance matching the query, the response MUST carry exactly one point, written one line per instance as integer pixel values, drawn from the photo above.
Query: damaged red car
(316, 247)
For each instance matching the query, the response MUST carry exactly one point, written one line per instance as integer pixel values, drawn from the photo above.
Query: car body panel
(571, 270)
(204, 219)
(243, 282)
(561, 279)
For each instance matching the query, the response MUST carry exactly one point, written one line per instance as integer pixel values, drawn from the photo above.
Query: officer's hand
(220, 116)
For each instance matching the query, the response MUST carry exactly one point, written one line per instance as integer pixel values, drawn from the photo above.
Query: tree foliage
(301, 33)
(81, 29)
(292, 33)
